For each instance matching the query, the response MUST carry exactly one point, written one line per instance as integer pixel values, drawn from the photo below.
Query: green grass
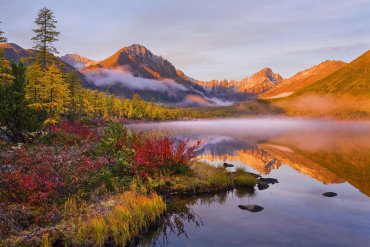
(207, 178)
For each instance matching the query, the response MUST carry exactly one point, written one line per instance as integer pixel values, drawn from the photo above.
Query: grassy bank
(118, 218)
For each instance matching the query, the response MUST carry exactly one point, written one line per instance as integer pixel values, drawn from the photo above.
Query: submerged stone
(251, 208)
(269, 180)
(262, 185)
(330, 194)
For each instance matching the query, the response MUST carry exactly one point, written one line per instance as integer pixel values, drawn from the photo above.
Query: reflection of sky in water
(295, 214)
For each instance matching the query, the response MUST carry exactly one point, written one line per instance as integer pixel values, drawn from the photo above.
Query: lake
(308, 157)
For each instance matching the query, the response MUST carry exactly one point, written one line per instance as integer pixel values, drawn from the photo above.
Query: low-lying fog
(308, 134)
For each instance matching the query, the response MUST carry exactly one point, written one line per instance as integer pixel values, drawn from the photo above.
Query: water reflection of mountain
(327, 167)
(330, 152)
(223, 145)
(256, 158)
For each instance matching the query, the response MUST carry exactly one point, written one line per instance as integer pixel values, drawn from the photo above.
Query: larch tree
(45, 36)
(55, 94)
(34, 87)
(76, 98)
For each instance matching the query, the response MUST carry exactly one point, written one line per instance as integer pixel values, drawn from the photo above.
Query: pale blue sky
(207, 39)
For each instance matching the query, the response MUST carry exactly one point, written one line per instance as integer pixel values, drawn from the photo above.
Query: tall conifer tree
(45, 36)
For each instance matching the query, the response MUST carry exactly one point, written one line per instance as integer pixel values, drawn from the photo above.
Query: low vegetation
(79, 186)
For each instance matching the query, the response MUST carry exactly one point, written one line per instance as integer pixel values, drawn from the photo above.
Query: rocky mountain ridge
(77, 61)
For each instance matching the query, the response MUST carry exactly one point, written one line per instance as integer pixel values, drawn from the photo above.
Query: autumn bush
(69, 133)
(41, 174)
(145, 155)
(159, 156)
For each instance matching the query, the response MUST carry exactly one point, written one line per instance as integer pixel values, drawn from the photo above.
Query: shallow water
(308, 157)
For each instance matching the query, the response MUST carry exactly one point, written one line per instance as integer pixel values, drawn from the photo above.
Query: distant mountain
(14, 53)
(351, 80)
(257, 83)
(343, 94)
(77, 61)
(143, 63)
(135, 69)
(303, 79)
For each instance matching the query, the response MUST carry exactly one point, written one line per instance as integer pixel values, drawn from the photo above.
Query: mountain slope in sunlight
(135, 69)
(344, 94)
(353, 79)
(77, 61)
(303, 79)
(14, 53)
(259, 82)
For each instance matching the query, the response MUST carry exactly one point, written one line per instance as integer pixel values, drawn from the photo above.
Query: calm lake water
(308, 157)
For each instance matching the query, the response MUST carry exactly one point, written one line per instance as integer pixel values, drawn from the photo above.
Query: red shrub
(160, 156)
(71, 132)
(42, 173)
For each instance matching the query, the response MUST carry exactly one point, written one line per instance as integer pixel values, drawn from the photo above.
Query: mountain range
(135, 69)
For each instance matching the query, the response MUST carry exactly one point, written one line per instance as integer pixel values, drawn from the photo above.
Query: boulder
(251, 208)
(262, 185)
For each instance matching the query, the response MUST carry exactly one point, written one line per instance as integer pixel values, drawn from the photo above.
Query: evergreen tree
(17, 119)
(45, 36)
(2, 37)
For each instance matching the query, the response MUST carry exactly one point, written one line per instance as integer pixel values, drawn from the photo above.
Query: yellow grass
(131, 213)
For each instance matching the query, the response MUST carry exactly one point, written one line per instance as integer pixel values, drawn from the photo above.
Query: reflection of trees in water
(180, 212)
(245, 193)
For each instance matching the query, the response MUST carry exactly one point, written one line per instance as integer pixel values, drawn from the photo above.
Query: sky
(207, 39)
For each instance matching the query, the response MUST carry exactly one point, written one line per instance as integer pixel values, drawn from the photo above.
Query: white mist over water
(304, 133)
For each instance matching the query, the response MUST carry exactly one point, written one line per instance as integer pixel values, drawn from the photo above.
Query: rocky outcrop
(257, 83)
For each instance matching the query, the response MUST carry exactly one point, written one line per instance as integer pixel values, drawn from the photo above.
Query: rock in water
(269, 180)
(228, 165)
(262, 185)
(251, 208)
(330, 194)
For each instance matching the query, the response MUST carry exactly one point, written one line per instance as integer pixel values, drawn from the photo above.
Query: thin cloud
(124, 78)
